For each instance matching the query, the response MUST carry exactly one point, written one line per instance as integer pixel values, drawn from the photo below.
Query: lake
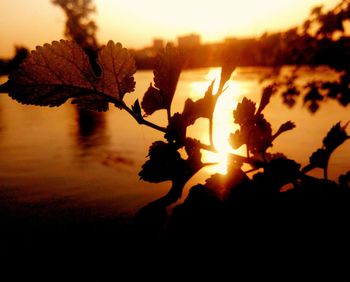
(57, 162)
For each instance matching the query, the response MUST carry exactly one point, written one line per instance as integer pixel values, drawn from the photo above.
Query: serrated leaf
(91, 102)
(237, 139)
(56, 72)
(255, 131)
(118, 67)
(166, 76)
(165, 163)
(259, 137)
(335, 137)
(244, 112)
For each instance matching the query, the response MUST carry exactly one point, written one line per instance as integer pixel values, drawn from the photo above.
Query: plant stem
(211, 121)
(141, 120)
(237, 157)
(325, 172)
(168, 111)
(211, 139)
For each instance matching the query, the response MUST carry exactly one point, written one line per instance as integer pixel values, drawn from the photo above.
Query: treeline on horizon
(320, 40)
(270, 50)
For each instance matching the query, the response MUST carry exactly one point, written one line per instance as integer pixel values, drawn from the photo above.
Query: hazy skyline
(136, 22)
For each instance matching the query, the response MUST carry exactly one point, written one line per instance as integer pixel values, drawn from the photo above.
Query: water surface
(62, 160)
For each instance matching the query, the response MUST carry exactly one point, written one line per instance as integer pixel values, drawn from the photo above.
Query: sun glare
(223, 123)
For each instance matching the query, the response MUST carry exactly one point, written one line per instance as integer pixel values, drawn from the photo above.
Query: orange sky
(136, 22)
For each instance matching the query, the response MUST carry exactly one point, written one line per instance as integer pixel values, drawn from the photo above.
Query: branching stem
(141, 120)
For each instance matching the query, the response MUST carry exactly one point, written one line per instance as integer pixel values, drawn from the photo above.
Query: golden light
(214, 73)
(223, 124)
(140, 21)
(136, 22)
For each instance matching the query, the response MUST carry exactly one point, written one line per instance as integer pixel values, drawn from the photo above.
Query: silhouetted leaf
(56, 72)
(335, 137)
(164, 163)
(204, 107)
(118, 68)
(4, 88)
(153, 100)
(178, 123)
(176, 130)
(136, 108)
(259, 137)
(244, 112)
(237, 139)
(277, 173)
(283, 128)
(270, 157)
(284, 169)
(192, 147)
(265, 98)
(257, 134)
(227, 68)
(224, 184)
(166, 75)
(344, 180)
(319, 158)
(91, 102)
(255, 131)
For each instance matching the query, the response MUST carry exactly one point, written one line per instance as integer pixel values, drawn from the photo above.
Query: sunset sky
(136, 22)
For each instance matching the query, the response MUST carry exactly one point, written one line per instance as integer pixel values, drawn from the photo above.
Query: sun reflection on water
(223, 124)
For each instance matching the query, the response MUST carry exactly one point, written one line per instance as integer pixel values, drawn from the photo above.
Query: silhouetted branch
(141, 120)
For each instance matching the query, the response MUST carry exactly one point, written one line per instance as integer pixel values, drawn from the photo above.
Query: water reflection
(1, 123)
(95, 158)
(222, 119)
(92, 138)
(91, 131)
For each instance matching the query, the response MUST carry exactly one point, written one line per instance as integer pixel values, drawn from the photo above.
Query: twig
(235, 156)
(211, 138)
(141, 120)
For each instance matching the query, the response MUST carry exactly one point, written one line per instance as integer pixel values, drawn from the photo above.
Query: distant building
(158, 43)
(189, 41)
